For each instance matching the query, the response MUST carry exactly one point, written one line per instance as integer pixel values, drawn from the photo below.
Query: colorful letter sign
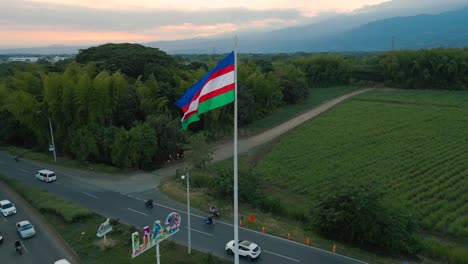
(157, 235)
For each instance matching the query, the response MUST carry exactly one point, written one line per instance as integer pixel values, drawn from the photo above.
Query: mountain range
(360, 31)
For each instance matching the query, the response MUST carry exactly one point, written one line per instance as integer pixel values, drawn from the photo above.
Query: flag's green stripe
(213, 103)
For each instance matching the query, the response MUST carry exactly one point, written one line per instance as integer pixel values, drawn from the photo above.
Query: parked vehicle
(1, 239)
(25, 229)
(246, 249)
(46, 176)
(7, 208)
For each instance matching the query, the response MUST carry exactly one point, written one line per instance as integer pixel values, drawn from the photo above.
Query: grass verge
(61, 161)
(78, 226)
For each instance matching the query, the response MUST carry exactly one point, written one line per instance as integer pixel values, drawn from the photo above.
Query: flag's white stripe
(212, 85)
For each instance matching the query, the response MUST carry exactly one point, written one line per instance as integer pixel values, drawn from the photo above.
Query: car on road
(246, 249)
(62, 261)
(25, 229)
(1, 239)
(46, 175)
(7, 208)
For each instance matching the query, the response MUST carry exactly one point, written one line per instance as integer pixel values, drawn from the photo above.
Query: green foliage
(130, 148)
(407, 142)
(426, 69)
(171, 138)
(200, 154)
(248, 182)
(326, 70)
(84, 144)
(440, 251)
(293, 83)
(359, 214)
(131, 59)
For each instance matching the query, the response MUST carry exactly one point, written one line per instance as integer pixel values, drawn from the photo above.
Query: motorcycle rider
(18, 247)
(209, 220)
(213, 210)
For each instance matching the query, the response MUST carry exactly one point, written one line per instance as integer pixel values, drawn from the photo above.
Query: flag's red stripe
(208, 96)
(214, 75)
(216, 92)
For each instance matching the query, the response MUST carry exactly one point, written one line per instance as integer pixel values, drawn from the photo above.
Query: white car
(25, 229)
(62, 261)
(46, 176)
(7, 208)
(246, 249)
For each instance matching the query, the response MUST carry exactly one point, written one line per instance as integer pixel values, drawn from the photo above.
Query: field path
(226, 149)
(140, 182)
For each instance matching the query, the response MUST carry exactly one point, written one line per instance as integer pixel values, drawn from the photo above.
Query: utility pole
(52, 136)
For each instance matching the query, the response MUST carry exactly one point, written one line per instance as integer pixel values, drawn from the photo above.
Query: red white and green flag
(213, 90)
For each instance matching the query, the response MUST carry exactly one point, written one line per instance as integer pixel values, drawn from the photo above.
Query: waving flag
(213, 90)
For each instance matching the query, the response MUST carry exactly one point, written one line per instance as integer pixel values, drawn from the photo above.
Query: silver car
(25, 229)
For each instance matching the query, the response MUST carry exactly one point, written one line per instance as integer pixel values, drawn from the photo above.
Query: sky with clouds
(26, 23)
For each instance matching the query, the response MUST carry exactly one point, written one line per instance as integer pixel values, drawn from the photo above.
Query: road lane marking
(130, 196)
(24, 246)
(136, 211)
(90, 195)
(279, 255)
(208, 234)
(6, 221)
(272, 236)
(23, 170)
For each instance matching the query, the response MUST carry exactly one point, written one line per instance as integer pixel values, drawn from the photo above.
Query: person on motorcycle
(18, 247)
(209, 220)
(213, 210)
(16, 158)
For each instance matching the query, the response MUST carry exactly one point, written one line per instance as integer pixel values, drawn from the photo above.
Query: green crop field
(414, 144)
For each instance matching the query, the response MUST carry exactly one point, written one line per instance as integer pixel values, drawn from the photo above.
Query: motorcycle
(18, 248)
(16, 158)
(149, 203)
(214, 212)
(207, 222)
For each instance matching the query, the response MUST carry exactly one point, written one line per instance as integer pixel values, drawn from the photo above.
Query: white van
(46, 175)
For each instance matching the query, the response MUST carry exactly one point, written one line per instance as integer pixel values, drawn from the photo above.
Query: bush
(359, 214)
(248, 183)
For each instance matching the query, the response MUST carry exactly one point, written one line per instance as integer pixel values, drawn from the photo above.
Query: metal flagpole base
(158, 261)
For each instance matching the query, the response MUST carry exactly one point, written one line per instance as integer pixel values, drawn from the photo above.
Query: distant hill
(336, 33)
(448, 29)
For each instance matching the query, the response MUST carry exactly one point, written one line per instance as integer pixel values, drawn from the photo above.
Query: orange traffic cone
(289, 236)
(334, 249)
(263, 229)
(308, 241)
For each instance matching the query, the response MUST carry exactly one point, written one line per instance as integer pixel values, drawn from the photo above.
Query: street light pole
(52, 136)
(188, 212)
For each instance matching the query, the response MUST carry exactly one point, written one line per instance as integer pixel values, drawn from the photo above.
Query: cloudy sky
(27, 23)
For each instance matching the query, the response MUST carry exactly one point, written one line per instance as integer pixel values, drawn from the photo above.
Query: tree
(200, 155)
(292, 82)
(360, 214)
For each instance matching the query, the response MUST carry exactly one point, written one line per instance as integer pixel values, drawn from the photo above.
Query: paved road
(45, 247)
(129, 208)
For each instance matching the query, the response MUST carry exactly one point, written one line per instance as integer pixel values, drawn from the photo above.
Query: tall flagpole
(236, 215)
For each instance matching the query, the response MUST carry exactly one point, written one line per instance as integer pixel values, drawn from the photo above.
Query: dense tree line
(115, 103)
